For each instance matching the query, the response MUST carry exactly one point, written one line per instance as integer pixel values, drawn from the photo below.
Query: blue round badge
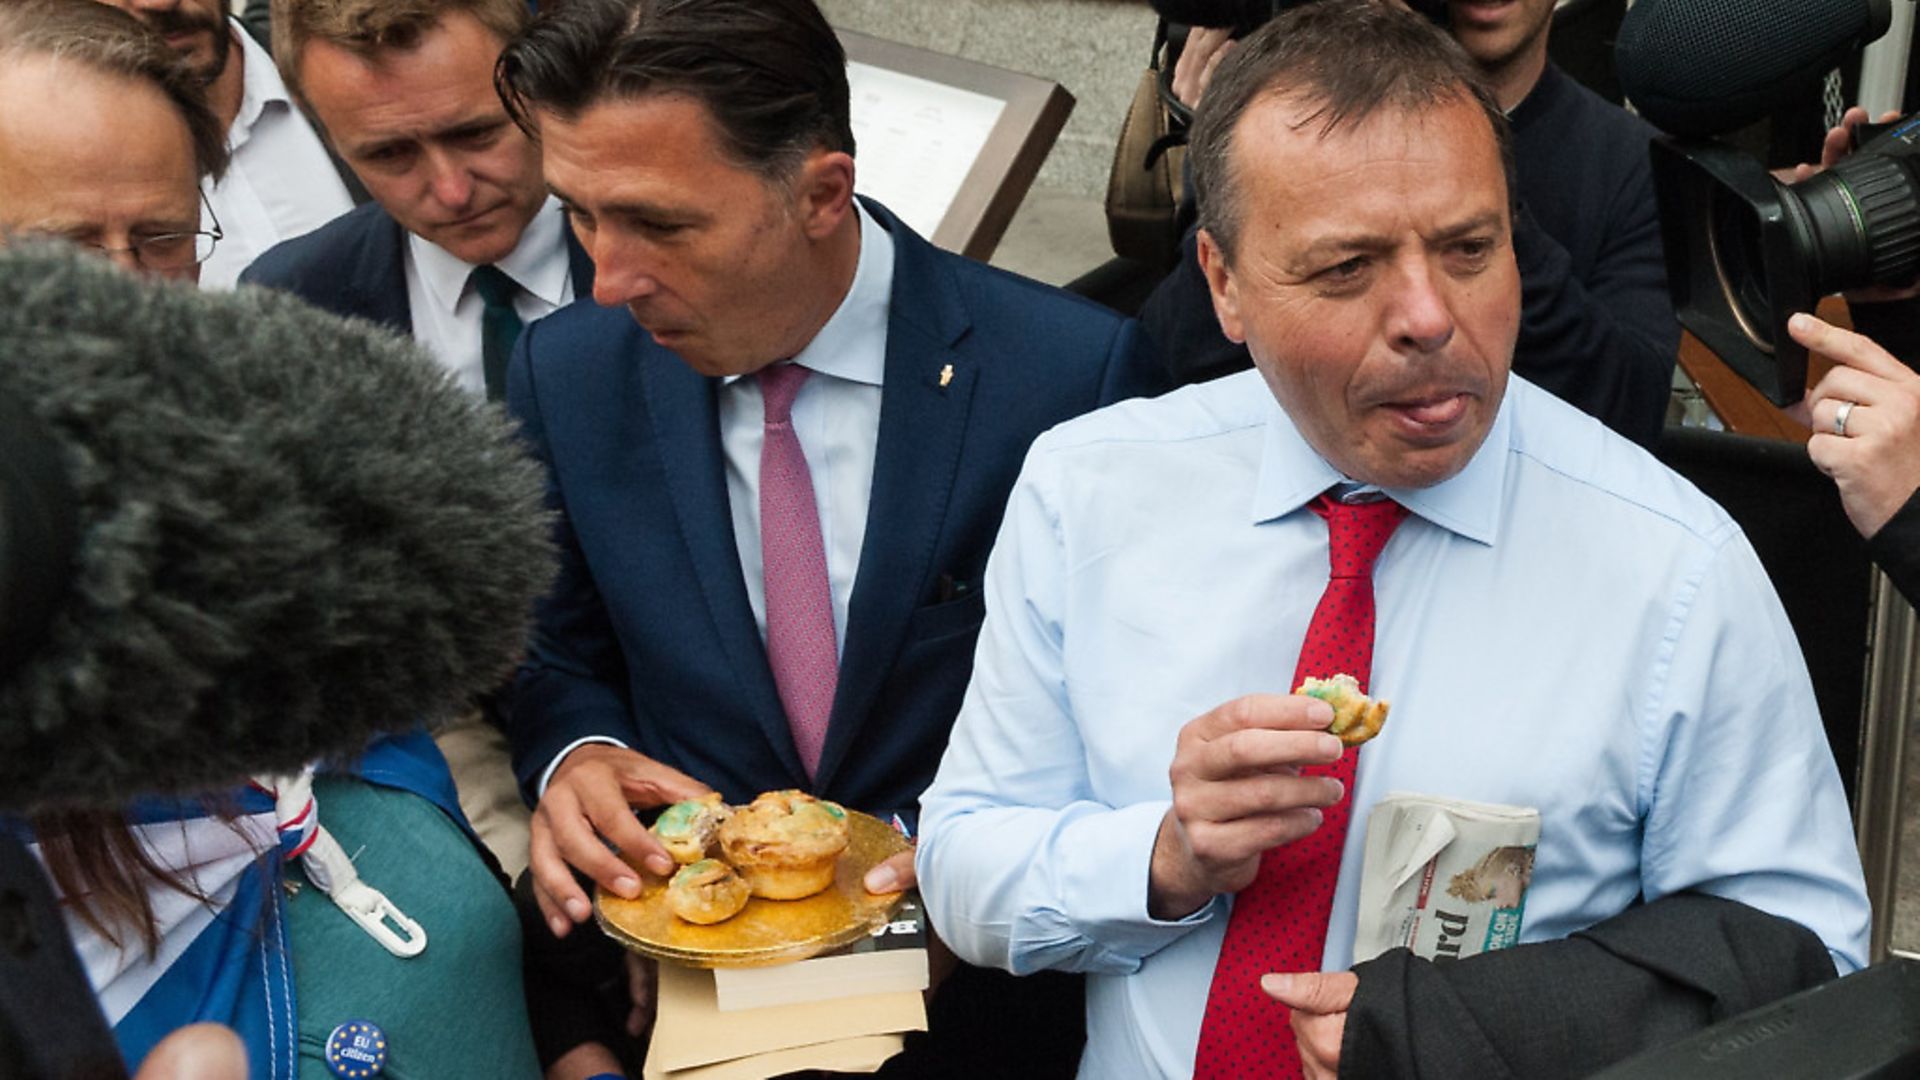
(357, 1050)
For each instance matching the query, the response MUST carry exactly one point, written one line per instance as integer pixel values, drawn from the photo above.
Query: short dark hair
(771, 72)
(366, 27)
(110, 41)
(1350, 59)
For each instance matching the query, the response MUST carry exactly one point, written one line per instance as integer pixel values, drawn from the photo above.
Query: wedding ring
(1840, 417)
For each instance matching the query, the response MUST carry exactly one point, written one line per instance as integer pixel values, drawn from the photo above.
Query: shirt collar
(260, 84)
(1467, 503)
(539, 263)
(852, 344)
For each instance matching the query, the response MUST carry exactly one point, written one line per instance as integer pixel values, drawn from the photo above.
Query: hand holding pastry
(591, 795)
(1237, 792)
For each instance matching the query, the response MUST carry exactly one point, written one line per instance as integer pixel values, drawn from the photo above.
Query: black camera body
(1745, 251)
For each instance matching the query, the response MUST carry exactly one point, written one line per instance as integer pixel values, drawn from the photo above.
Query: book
(1446, 878)
(892, 958)
(694, 1040)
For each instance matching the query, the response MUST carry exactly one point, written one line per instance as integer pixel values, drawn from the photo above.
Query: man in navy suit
(711, 629)
(460, 247)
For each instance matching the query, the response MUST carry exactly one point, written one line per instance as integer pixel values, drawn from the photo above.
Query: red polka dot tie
(801, 647)
(1279, 922)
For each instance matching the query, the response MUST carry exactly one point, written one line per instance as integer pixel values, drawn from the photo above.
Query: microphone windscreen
(1697, 68)
(295, 533)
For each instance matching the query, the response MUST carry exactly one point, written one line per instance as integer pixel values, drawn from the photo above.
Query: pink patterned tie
(800, 641)
(1279, 922)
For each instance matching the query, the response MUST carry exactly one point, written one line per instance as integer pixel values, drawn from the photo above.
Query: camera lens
(1861, 223)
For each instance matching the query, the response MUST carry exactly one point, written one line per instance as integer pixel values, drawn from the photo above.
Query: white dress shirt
(446, 308)
(280, 182)
(837, 420)
(1565, 624)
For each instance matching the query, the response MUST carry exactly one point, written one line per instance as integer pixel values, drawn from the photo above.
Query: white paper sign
(916, 140)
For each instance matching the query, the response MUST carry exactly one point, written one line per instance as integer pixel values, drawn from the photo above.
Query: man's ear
(823, 191)
(1224, 288)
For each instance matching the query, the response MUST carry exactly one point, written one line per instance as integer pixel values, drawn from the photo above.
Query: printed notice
(916, 139)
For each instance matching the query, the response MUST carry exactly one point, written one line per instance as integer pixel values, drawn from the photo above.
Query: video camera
(1745, 251)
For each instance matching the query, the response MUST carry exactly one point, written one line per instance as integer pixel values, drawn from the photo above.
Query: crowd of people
(838, 511)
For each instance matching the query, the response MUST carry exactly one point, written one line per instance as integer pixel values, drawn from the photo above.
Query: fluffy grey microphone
(295, 532)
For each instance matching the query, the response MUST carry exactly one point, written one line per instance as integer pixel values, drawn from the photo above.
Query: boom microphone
(1696, 68)
(295, 532)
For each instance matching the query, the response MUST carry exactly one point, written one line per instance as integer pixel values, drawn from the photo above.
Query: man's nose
(1420, 316)
(450, 181)
(622, 272)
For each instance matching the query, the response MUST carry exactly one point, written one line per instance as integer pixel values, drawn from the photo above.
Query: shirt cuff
(1108, 870)
(540, 791)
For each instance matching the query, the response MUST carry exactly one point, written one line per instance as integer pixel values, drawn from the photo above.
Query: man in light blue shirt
(1562, 622)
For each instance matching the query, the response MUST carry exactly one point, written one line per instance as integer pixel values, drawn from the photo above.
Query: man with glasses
(104, 139)
(282, 182)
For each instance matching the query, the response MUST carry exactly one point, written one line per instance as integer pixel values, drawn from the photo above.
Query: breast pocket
(946, 619)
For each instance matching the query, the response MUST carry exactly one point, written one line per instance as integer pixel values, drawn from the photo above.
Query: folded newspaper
(1446, 878)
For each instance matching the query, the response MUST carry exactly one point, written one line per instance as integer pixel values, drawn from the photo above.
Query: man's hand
(1206, 47)
(1319, 1003)
(894, 874)
(592, 795)
(1877, 462)
(1238, 792)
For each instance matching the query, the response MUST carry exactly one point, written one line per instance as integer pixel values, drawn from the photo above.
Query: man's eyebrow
(1490, 221)
(631, 208)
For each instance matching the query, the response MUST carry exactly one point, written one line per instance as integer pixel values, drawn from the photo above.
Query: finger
(651, 783)
(607, 810)
(1258, 752)
(1844, 346)
(1842, 383)
(553, 883)
(1320, 993)
(1826, 417)
(1218, 844)
(580, 846)
(1277, 712)
(1837, 144)
(894, 874)
(1254, 796)
(1318, 1038)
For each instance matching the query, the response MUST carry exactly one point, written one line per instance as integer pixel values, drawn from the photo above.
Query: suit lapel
(686, 427)
(378, 285)
(924, 406)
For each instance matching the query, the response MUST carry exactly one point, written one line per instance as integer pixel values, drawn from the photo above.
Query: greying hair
(1349, 59)
(111, 42)
(366, 27)
(770, 72)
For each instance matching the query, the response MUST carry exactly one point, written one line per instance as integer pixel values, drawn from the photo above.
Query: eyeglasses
(163, 252)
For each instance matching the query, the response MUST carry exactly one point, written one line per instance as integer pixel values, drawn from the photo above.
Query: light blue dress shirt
(1566, 624)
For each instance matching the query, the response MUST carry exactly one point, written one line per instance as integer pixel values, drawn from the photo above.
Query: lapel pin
(946, 376)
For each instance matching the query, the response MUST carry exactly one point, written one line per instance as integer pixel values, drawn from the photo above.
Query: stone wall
(1094, 48)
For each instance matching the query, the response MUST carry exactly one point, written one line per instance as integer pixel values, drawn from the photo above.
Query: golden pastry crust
(1356, 717)
(687, 829)
(707, 892)
(785, 843)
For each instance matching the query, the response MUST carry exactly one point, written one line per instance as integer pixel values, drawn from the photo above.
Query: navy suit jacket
(648, 635)
(355, 265)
